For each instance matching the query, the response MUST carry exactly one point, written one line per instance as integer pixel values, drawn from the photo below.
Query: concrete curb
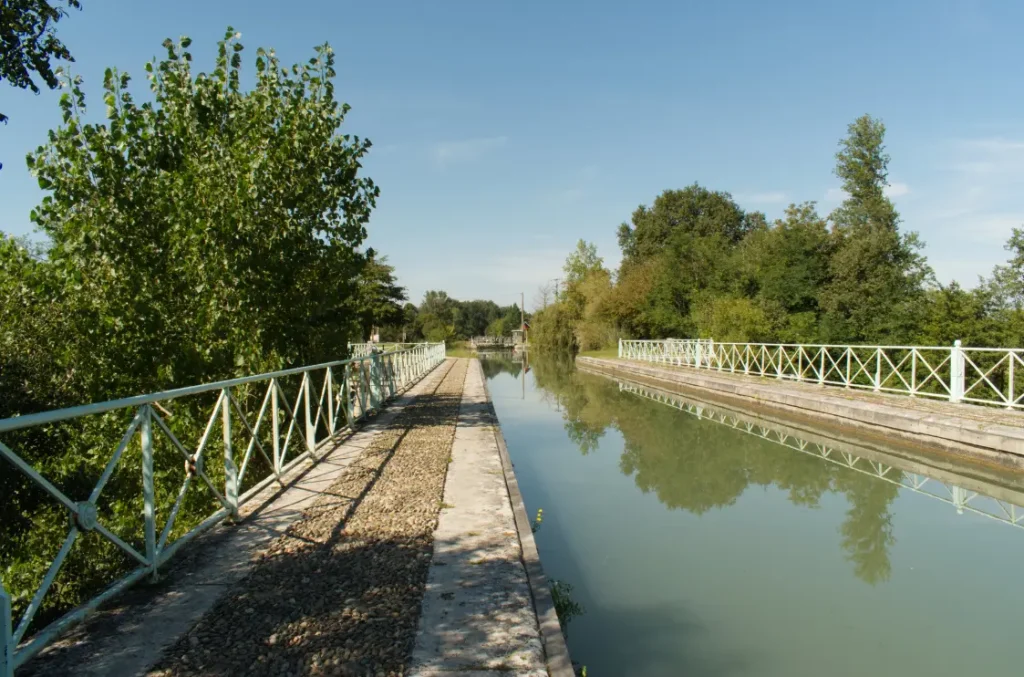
(992, 442)
(556, 651)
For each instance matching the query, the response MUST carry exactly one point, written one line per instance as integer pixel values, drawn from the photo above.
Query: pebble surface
(340, 593)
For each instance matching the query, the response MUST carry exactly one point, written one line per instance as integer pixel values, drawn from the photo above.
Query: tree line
(694, 264)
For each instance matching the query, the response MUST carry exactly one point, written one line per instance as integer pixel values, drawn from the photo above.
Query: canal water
(709, 542)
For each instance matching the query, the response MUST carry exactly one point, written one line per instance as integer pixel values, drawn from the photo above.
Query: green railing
(325, 399)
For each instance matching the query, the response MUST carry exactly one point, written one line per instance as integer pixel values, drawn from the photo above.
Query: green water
(722, 544)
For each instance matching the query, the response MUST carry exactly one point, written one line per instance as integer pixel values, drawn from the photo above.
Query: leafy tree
(28, 42)
(876, 273)
(208, 232)
(378, 295)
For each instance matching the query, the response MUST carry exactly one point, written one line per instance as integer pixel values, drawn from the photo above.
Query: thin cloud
(837, 195)
(767, 198)
(467, 150)
(897, 189)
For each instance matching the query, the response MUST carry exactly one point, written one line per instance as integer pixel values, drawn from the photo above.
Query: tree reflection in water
(697, 465)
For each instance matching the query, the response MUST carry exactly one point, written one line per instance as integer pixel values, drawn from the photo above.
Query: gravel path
(340, 594)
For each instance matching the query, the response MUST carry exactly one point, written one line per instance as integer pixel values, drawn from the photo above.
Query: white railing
(972, 495)
(364, 349)
(955, 373)
(491, 341)
(340, 393)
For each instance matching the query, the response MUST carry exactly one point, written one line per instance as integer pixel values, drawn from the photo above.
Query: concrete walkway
(982, 433)
(478, 615)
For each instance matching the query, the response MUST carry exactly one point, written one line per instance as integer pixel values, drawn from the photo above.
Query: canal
(706, 541)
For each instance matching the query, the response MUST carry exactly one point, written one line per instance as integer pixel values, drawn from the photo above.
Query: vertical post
(778, 364)
(276, 425)
(310, 428)
(230, 469)
(522, 317)
(1010, 392)
(848, 355)
(375, 381)
(148, 489)
(878, 369)
(620, 348)
(799, 363)
(821, 370)
(330, 403)
(346, 394)
(6, 634)
(956, 372)
(712, 355)
(699, 356)
(913, 372)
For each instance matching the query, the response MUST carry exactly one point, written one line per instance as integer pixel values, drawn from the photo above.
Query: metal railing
(955, 373)
(340, 393)
(492, 341)
(364, 349)
(965, 494)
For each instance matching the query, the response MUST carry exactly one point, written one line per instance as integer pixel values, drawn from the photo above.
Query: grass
(460, 349)
(603, 352)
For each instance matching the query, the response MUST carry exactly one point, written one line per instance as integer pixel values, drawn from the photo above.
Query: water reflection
(695, 466)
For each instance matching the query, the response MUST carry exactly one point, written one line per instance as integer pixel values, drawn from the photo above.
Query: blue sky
(505, 131)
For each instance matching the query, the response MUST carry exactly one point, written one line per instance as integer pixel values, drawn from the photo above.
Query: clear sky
(505, 131)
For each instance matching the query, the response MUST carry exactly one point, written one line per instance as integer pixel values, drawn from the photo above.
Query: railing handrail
(844, 346)
(339, 405)
(55, 415)
(957, 373)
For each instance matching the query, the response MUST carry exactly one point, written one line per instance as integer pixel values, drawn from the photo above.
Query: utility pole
(522, 316)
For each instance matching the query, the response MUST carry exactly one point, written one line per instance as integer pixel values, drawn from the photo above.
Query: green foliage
(695, 265)
(28, 42)
(205, 233)
(442, 318)
(378, 296)
(566, 608)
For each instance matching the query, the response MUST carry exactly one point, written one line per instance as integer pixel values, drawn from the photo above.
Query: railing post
(6, 634)
(346, 394)
(230, 469)
(878, 369)
(307, 410)
(849, 354)
(821, 370)
(276, 426)
(913, 372)
(330, 402)
(375, 381)
(148, 489)
(698, 351)
(778, 364)
(956, 372)
(620, 349)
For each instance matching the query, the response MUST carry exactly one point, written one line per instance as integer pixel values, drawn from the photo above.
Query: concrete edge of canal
(557, 651)
(487, 608)
(989, 442)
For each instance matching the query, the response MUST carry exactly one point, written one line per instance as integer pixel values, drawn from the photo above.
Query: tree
(209, 232)
(876, 273)
(28, 42)
(378, 295)
(166, 276)
(544, 295)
